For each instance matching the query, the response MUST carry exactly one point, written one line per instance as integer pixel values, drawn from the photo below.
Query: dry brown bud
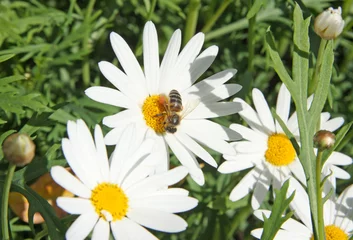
(324, 139)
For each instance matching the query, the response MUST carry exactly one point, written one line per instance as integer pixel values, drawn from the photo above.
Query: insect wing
(190, 106)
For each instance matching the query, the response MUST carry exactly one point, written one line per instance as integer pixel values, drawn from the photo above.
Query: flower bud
(324, 139)
(329, 24)
(19, 149)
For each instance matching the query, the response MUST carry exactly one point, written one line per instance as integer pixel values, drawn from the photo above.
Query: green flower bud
(324, 139)
(19, 149)
(329, 24)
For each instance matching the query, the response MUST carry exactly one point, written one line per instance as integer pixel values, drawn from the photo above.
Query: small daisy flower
(265, 148)
(164, 101)
(118, 193)
(269, 151)
(338, 217)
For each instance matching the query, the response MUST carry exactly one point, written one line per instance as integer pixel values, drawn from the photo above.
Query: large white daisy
(268, 151)
(338, 216)
(118, 193)
(143, 94)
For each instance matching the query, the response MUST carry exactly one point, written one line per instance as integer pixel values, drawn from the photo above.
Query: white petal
(122, 118)
(121, 82)
(333, 124)
(75, 205)
(340, 173)
(156, 182)
(257, 233)
(283, 106)
(297, 169)
(205, 86)
(82, 226)
(165, 203)
(101, 231)
(167, 70)
(209, 139)
(245, 185)
(221, 92)
(135, 159)
(248, 133)
(194, 147)
(250, 116)
(127, 229)
(151, 57)
(186, 158)
(263, 110)
(203, 62)
(261, 189)
(215, 109)
(157, 220)
(300, 203)
(109, 96)
(337, 158)
(138, 174)
(234, 166)
(127, 60)
(101, 153)
(123, 149)
(159, 157)
(217, 130)
(251, 147)
(62, 177)
(184, 61)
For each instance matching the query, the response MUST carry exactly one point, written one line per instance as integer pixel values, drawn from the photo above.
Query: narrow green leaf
(276, 219)
(6, 57)
(255, 8)
(323, 86)
(277, 61)
(301, 53)
(10, 79)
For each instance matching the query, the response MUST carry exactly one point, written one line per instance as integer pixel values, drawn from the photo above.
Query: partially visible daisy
(144, 94)
(338, 217)
(118, 193)
(268, 150)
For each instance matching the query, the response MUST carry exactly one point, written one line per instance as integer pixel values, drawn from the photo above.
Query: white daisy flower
(268, 150)
(145, 95)
(118, 193)
(338, 216)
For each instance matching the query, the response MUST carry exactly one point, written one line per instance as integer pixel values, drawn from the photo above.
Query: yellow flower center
(152, 111)
(110, 201)
(280, 151)
(334, 233)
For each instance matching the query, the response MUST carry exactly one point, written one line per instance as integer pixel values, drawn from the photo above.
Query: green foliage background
(49, 54)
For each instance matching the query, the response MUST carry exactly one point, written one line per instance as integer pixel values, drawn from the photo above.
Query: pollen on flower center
(280, 151)
(334, 233)
(152, 111)
(109, 200)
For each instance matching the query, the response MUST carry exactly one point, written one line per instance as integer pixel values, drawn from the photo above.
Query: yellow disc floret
(109, 201)
(334, 233)
(280, 151)
(153, 112)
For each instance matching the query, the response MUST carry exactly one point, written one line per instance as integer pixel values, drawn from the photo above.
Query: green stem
(5, 202)
(151, 10)
(209, 24)
(251, 37)
(85, 43)
(320, 214)
(193, 14)
(314, 81)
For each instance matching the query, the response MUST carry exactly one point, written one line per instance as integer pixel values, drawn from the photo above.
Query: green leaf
(277, 61)
(301, 54)
(276, 219)
(6, 57)
(323, 86)
(7, 80)
(255, 8)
